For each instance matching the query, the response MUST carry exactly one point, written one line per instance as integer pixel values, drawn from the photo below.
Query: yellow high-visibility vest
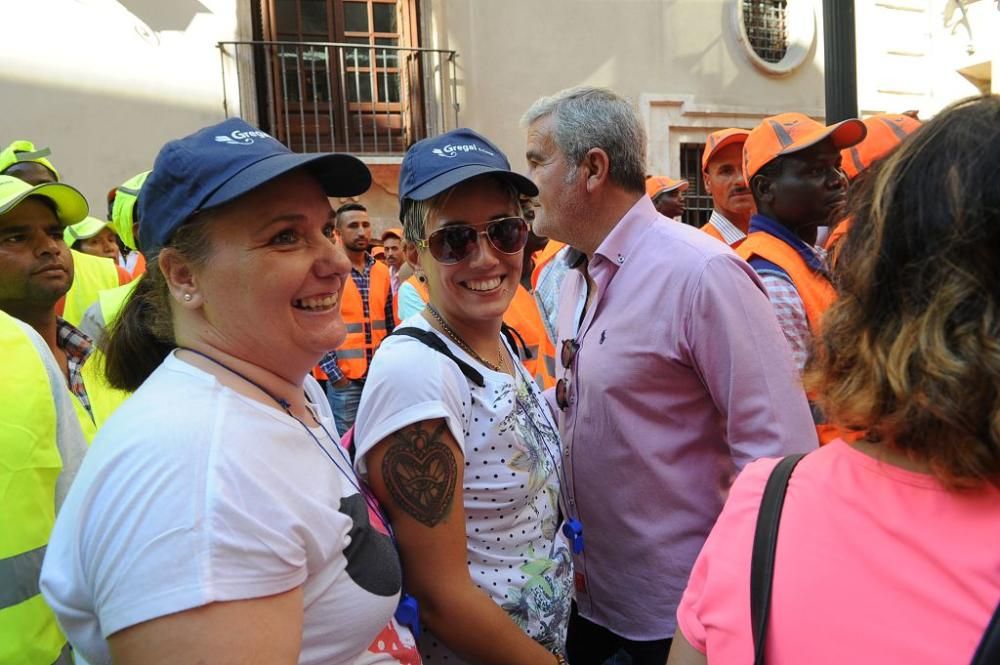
(30, 465)
(92, 274)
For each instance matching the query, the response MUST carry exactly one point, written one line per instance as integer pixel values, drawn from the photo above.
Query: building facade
(105, 83)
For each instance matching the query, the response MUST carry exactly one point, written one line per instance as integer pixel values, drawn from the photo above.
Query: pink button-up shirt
(682, 377)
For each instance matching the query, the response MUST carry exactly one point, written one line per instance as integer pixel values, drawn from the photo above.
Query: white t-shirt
(193, 494)
(516, 552)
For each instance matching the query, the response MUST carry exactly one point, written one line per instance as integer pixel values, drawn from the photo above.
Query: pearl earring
(187, 297)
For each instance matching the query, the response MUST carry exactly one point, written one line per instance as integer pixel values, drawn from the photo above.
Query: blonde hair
(910, 352)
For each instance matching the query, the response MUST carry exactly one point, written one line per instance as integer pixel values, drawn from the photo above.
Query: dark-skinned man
(667, 194)
(732, 202)
(368, 312)
(792, 164)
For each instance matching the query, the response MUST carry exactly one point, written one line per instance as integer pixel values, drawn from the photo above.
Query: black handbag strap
(988, 652)
(428, 338)
(765, 541)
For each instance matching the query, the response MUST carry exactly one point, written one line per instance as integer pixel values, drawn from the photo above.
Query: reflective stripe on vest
(30, 464)
(815, 290)
(91, 275)
(352, 356)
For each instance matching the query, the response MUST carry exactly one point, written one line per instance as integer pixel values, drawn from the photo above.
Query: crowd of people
(548, 423)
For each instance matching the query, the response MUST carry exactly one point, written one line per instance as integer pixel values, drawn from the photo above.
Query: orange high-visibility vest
(835, 239)
(524, 317)
(352, 354)
(815, 289)
(542, 260)
(421, 287)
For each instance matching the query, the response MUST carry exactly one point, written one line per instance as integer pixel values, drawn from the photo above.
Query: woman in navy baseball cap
(215, 517)
(453, 432)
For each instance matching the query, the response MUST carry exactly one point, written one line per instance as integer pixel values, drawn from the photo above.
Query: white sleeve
(407, 383)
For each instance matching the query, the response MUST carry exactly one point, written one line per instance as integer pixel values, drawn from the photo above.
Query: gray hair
(589, 117)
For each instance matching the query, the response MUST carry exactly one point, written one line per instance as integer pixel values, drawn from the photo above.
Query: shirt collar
(624, 237)
(369, 262)
(72, 340)
(729, 231)
(765, 224)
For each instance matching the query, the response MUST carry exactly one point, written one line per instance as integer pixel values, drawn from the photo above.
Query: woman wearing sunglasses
(457, 441)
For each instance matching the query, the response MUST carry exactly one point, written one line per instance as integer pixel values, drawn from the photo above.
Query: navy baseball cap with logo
(436, 164)
(220, 163)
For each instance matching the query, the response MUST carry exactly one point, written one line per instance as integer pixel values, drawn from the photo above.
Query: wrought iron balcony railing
(322, 96)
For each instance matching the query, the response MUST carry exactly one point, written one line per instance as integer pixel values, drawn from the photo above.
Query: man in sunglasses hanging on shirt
(673, 374)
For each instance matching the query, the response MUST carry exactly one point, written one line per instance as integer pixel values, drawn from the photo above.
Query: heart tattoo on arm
(420, 472)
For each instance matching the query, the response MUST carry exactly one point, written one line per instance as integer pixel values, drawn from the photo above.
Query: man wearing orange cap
(885, 133)
(792, 164)
(732, 203)
(667, 194)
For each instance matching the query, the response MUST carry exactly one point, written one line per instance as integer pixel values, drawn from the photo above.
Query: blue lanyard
(407, 611)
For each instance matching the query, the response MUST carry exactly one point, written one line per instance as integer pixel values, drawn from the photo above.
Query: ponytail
(143, 335)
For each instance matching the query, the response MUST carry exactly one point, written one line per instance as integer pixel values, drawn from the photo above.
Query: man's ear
(596, 167)
(762, 188)
(708, 182)
(181, 279)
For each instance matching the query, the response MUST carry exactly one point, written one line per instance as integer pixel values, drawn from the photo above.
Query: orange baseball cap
(885, 132)
(392, 231)
(658, 184)
(716, 141)
(788, 133)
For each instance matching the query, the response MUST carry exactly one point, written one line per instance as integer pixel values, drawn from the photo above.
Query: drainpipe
(840, 60)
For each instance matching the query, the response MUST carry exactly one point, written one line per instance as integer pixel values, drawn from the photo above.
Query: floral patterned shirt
(516, 551)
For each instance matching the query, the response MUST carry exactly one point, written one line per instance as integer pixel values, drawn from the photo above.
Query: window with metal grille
(344, 74)
(697, 202)
(766, 27)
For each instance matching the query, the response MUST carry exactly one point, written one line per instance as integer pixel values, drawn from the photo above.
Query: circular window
(776, 35)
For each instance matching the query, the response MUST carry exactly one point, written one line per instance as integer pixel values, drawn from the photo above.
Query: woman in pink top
(888, 549)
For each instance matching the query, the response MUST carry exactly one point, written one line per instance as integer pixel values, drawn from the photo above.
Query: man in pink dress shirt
(673, 375)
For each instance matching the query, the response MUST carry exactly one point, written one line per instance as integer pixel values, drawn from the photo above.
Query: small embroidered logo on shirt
(604, 334)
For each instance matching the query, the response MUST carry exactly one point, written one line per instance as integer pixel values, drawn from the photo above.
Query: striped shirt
(730, 233)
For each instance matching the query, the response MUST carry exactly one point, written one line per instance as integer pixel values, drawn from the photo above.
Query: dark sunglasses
(566, 356)
(455, 243)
